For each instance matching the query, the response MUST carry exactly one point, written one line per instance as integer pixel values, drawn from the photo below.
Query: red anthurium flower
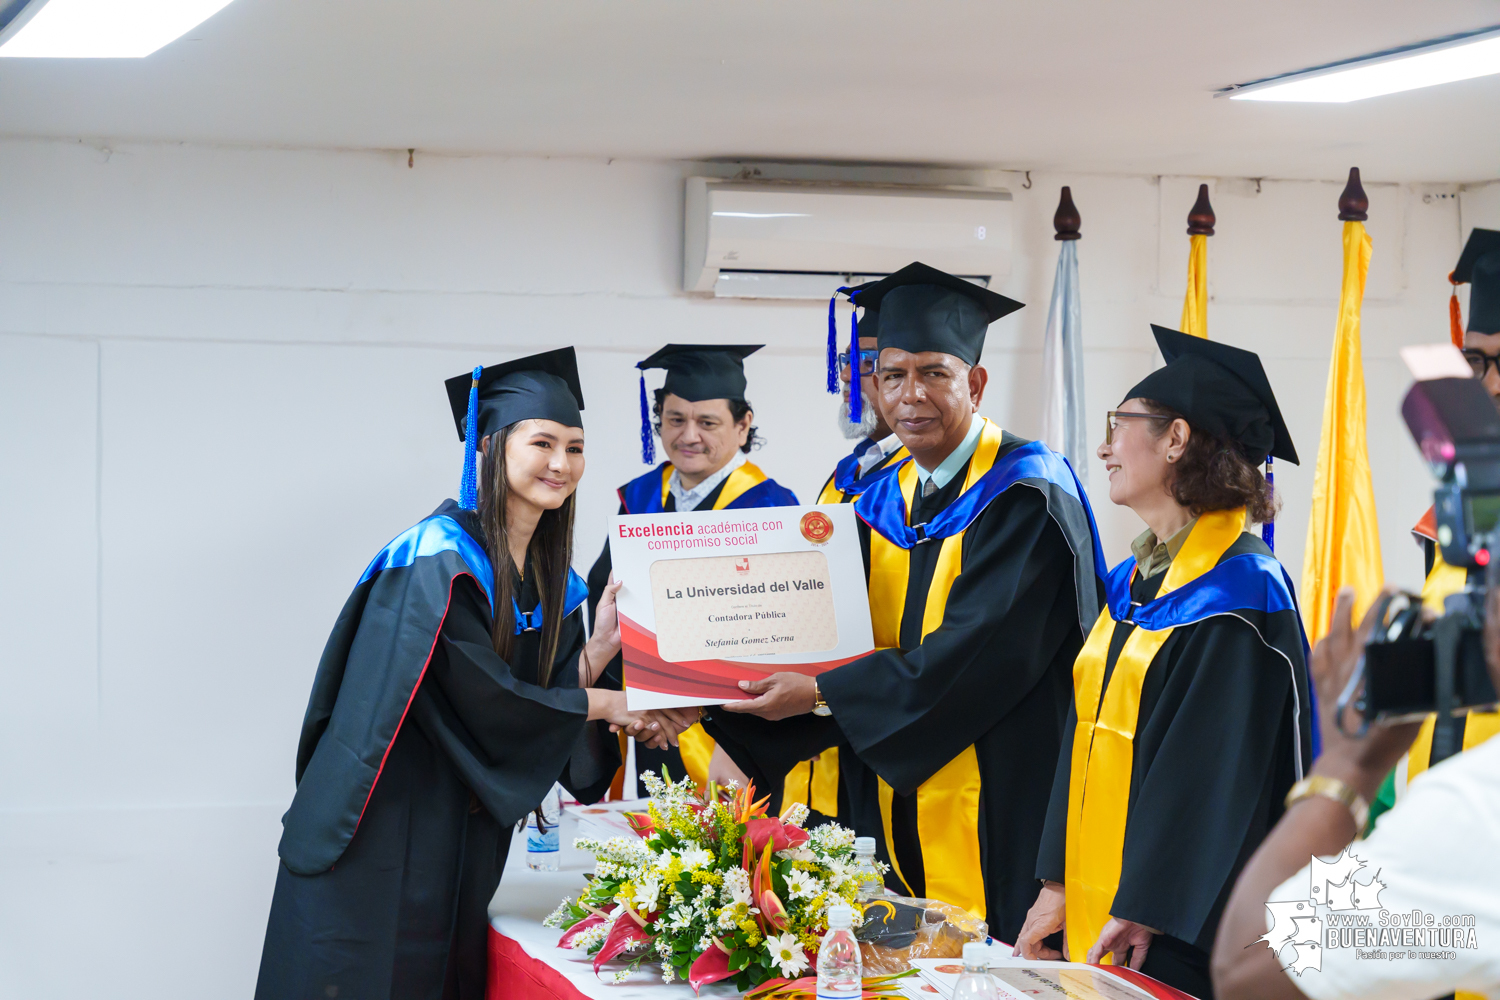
(766, 988)
(766, 830)
(772, 910)
(795, 835)
(627, 930)
(709, 967)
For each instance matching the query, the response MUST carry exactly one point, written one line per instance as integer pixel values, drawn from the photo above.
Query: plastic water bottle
(976, 983)
(542, 840)
(865, 872)
(840, 974)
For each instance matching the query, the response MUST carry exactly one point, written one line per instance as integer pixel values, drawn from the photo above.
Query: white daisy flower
(801, 885)
(787, 954)
(646, 892)
(695, 857)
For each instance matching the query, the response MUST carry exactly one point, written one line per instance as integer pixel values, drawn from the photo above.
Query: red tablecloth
(515, 975)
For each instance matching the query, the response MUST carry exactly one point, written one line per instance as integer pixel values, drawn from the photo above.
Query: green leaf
(738, 960)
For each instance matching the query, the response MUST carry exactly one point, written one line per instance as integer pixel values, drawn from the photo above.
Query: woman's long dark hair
(550, 554)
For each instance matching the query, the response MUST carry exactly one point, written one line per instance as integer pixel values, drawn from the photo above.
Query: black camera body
(1414, 667)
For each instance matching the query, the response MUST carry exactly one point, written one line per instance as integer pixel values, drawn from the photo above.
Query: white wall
(219, 395)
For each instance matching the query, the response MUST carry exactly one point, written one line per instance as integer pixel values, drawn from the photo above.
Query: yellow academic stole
(695, 745)
(817, 787)
(947, 802)
(832, 494)
(1103, 742)
(1480, 726)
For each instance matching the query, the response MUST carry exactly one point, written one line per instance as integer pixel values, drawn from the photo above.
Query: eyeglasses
(1112, 421)
(1479, 362)
(867, 361)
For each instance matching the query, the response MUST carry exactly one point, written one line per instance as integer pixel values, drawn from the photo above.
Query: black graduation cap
(1479, 266)
(924, 309)
(694, 372)
(1220, 389)
(543, 386)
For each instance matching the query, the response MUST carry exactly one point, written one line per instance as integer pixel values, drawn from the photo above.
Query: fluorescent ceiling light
(764, 215)
(101, 29)
(1444, 60)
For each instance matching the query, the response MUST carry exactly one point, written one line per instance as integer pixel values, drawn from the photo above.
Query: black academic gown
(1215, 752)
(997, 675)
(400, 911)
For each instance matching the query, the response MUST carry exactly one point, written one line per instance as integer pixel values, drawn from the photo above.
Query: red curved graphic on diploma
(716, 679)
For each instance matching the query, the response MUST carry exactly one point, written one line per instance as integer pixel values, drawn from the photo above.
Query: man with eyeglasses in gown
(1479, 267)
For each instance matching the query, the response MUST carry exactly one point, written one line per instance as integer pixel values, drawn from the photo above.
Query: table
(524, 960)
(526, 964)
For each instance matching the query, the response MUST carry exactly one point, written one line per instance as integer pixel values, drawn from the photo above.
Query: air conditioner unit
(788, 240)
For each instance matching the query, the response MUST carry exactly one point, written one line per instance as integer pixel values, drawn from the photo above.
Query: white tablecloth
(526, 897)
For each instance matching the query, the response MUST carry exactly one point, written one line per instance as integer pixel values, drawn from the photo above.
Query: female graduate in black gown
(1191, 716)
(454, 691)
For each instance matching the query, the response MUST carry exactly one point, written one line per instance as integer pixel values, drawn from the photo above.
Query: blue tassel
(856, 408)
(1268, 530)
(833, 345)
(468, 489)
(648, 447)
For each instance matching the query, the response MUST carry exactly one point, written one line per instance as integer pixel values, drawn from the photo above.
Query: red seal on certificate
(816, 527)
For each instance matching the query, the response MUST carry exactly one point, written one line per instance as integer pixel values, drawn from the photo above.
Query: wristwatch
(1331, 788)
(820, 707)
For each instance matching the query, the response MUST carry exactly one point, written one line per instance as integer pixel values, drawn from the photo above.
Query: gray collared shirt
(1152, 555)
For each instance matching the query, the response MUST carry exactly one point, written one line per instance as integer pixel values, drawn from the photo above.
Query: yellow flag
(1195, 303)
(1343, 540)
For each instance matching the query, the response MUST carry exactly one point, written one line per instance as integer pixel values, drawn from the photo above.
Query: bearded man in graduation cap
(982, 583)
(1478, 267)
(706, 428)
(455, 689)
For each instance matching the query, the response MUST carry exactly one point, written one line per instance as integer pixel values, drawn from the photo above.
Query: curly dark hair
(737, 409)
(1214, 474)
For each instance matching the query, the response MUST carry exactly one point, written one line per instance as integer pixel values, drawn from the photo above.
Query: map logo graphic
(1333, 888)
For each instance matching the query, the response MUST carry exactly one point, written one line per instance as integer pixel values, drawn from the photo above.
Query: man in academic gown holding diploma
(815, 783)
(982, 583)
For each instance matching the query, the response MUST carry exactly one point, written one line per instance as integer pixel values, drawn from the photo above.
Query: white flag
(1062, 367)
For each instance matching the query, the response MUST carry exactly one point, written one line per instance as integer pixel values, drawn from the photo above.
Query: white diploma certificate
(715, 597)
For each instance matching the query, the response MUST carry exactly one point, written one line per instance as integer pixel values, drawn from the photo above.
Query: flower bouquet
(715, 889)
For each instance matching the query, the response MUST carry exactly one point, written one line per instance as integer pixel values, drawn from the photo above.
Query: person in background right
(1434, 853)
(1478, 266)
(1191, 716)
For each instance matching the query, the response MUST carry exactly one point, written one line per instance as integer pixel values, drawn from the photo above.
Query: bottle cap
(977, 953)
(864, 845)
(840, 916)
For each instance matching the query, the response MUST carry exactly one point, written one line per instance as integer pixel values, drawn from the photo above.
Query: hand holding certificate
(712, 598)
